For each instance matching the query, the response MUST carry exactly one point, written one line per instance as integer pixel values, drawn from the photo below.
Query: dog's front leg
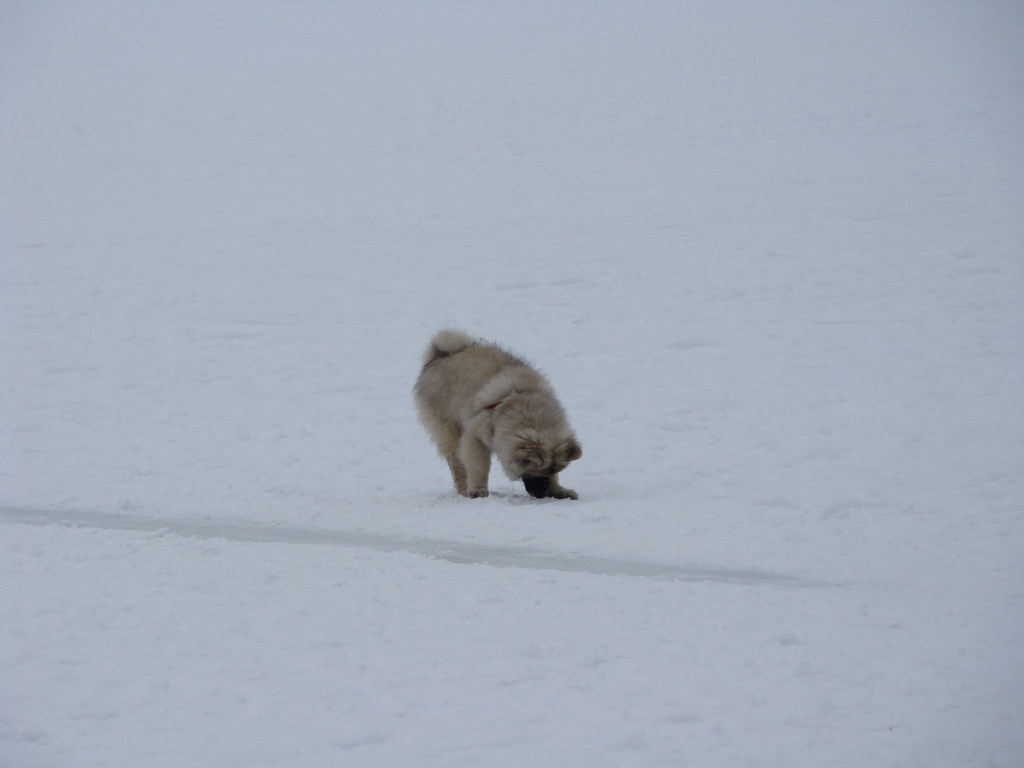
(476, 458)
(556, 491)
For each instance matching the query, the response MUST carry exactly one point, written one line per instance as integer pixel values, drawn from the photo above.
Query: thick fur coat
(476, 399)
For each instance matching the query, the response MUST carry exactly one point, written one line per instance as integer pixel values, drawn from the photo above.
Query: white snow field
(770, 254)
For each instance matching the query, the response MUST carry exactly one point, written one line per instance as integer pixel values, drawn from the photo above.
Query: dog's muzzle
(537, 485)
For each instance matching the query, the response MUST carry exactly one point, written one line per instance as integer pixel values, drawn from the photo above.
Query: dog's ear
(571, 449)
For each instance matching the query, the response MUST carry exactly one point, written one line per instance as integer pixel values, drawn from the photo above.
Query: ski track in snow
(459, 553)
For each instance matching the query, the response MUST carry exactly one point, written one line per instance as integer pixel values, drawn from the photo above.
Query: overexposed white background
(769, 255)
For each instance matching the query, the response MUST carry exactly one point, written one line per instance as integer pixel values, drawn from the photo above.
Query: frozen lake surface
(770, 255)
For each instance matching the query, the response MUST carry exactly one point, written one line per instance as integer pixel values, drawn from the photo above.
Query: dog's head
(533, 456)
(532, 438)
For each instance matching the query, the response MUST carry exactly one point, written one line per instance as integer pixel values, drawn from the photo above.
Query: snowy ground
(771, 255)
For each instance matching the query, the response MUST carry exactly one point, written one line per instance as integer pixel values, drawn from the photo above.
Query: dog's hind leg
(476, 458)
(458, 474)
(446, 436)
(448, 445)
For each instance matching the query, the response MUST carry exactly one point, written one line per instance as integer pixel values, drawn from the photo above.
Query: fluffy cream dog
(476, 399)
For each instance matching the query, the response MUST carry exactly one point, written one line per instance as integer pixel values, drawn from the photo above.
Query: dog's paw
(563, 493)
(478, 493)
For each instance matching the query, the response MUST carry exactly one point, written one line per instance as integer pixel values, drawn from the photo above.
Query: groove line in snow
(460, 553)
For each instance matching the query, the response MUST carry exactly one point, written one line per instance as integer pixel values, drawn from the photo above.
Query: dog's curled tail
(446, 343)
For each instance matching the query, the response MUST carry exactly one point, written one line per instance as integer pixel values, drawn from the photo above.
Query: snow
(769, 254)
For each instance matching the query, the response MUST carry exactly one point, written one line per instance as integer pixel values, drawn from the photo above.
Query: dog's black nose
(536, 485)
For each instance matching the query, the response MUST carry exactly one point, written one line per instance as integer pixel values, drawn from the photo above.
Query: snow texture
(771, 255)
